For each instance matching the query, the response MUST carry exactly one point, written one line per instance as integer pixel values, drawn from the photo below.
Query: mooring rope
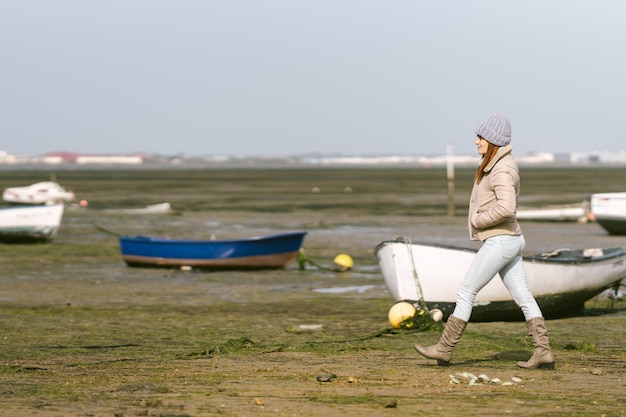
(421, 300)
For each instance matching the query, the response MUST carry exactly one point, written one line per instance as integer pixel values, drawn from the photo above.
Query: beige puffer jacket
(494, 200)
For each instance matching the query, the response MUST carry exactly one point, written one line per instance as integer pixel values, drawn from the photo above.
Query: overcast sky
(293, 77)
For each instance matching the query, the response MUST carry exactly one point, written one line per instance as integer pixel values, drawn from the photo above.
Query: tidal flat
(82, 334)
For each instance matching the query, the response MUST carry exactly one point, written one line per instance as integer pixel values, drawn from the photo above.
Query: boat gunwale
(615, 252)
(165, 240)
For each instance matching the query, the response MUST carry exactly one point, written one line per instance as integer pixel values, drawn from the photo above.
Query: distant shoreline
(255, 164)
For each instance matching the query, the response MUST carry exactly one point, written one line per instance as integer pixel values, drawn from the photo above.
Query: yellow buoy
(400, 312)
(343, 262)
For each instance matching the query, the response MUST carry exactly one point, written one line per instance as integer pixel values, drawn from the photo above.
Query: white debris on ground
(481, 379)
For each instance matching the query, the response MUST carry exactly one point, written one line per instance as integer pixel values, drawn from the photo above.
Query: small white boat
(160, 208)
(561, 281)
(30, 224)
(45, 192)
(565, 213)
(609, 211)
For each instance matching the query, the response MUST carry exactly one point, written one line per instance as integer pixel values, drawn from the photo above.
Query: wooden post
(450, 170)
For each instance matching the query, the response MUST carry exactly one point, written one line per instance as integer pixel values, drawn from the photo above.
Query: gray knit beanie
(495, 129)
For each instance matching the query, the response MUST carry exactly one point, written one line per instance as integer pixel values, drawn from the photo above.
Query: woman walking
(491, 219)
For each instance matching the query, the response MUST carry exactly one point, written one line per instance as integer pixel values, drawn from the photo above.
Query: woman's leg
(492, 256)
(514, 278)
(486, 264)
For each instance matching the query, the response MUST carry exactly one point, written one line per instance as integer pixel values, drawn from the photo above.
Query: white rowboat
(561, 281)
(30, 224)
(567, 213)
(609, 211)
(45, 192)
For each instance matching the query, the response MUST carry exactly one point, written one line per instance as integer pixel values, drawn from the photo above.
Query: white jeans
(498, 255)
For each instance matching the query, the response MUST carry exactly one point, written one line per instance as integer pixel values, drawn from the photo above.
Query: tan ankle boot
(542, 356)
(442, 351)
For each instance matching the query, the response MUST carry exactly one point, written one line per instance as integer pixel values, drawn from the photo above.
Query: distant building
(8, 159)
(64, 157)
(109, 159)
(75, 158)
(601, 157)
(537, 158)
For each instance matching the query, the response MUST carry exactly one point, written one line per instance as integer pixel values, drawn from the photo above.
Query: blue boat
(261, 252)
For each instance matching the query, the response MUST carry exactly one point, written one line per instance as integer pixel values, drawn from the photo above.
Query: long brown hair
(487, 157)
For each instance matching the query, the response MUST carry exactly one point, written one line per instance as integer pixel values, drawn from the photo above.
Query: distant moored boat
(261, 252)
(609, 211)
(45, 192)
(30, 224)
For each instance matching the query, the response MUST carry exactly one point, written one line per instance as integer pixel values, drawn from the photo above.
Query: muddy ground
(81, 334)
